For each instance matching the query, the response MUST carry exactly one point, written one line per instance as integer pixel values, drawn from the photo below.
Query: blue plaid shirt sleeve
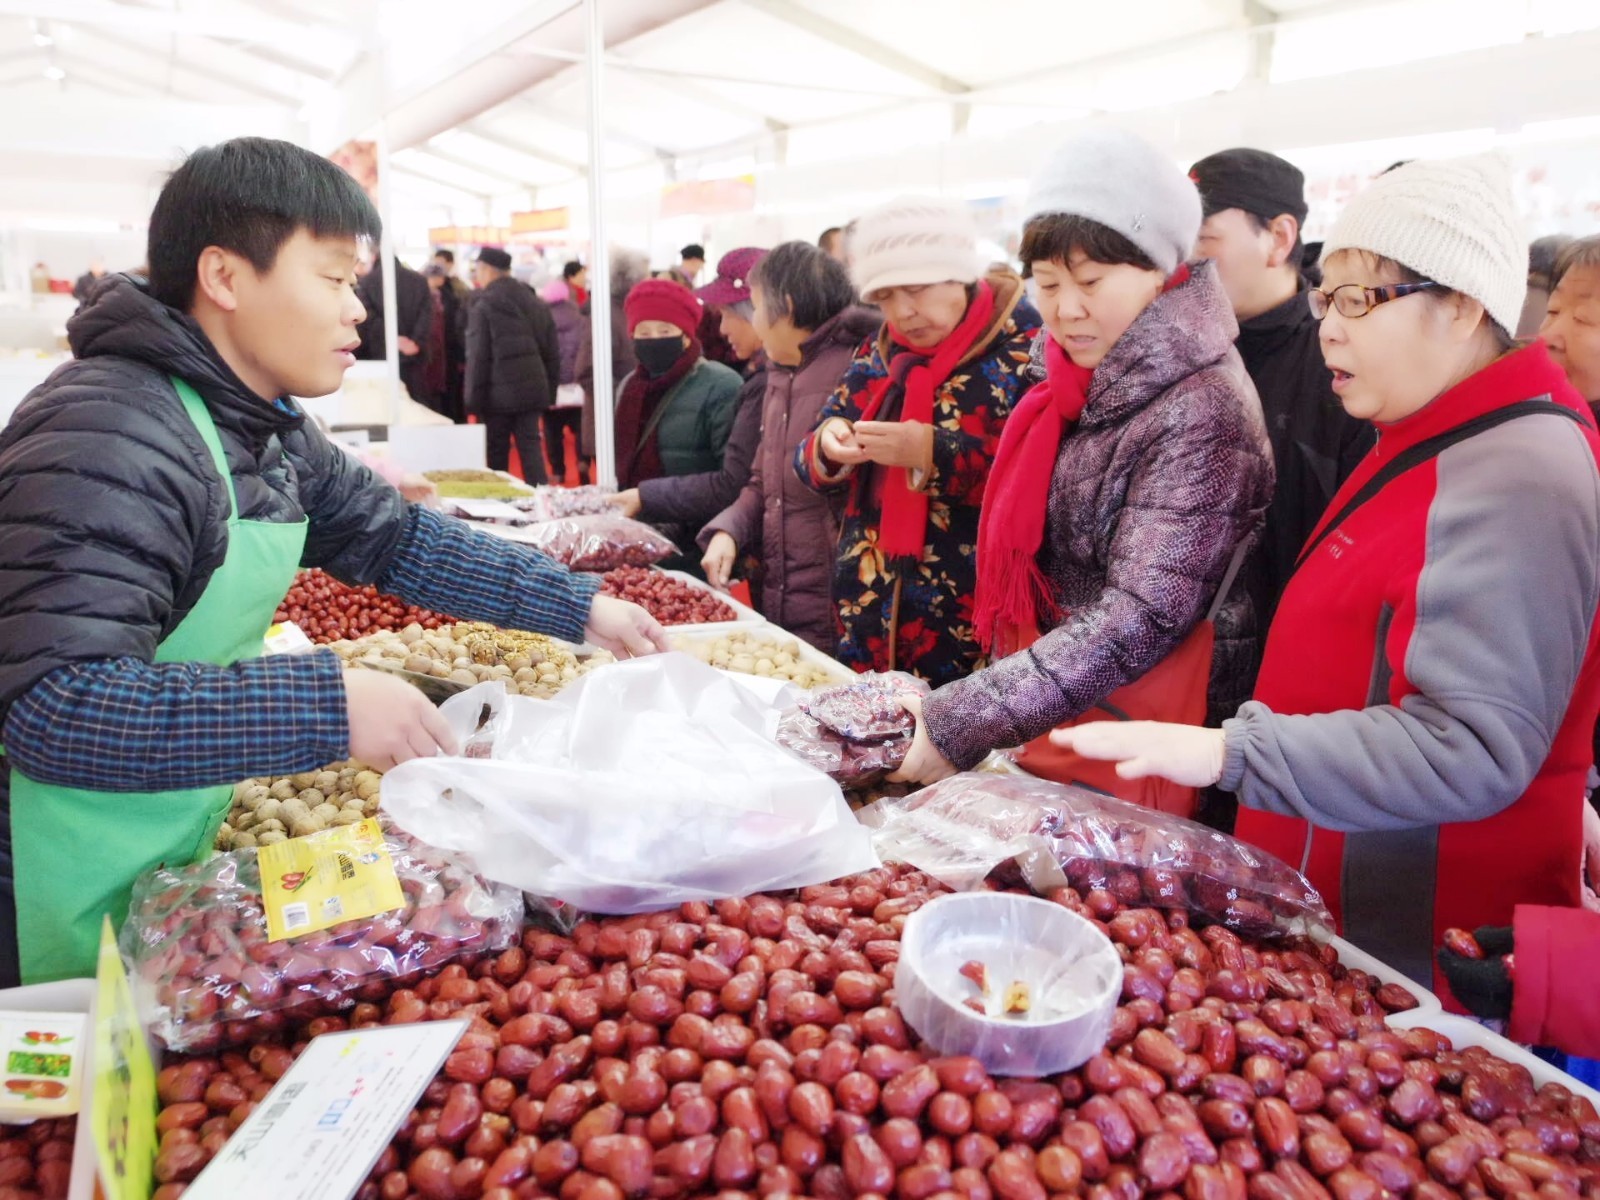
(126, 725)
(444, 564)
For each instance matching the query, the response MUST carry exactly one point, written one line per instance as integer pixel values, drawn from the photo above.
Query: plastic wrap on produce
(550, 502)
(206, 976)
(1022, 985)
(645, 785)
(600, 542)
(1047, 835)
(856, 732)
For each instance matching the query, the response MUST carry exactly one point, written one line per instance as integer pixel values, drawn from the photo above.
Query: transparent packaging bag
(599, 542)
(1047, 835)
(648, 784)
(856, 732)
(206, 975)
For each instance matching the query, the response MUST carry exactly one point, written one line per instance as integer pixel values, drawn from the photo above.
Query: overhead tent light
(41, 34)
(55, 73)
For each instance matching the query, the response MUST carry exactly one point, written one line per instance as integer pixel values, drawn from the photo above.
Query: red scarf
(638, 455)
(1013, 594)
(917, 375)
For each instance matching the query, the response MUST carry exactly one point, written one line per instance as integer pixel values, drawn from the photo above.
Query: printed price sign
(320, 1129)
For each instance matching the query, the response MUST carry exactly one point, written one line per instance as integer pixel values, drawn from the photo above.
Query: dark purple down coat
(1168, 470)
(792, 529)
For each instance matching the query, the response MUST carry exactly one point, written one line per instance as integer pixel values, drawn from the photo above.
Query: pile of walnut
(759, 653)
(270, 810)
(470, 653)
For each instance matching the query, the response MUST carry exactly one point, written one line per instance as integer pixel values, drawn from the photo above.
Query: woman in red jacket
(1420, 734)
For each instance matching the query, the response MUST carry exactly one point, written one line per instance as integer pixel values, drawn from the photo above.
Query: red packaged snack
(599, 542)
(207, 976)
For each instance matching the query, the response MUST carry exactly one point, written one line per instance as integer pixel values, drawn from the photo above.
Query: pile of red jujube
(670, 601)
(328, 611)
(752, 1048)
(36, 1159)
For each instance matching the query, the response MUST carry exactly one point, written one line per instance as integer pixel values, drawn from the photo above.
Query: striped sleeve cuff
(125, 725)
(444, 564)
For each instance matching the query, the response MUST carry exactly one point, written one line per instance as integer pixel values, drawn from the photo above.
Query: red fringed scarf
(918, 375)
(1013, 594)
(638, 451)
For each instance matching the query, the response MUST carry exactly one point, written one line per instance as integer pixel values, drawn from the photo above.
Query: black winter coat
(1315, 443)
(513, 353)
(414, 300)
(112, 515)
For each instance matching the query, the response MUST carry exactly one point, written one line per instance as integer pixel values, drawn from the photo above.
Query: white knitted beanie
(1126, 184)
(914, 240)
(1452, 221)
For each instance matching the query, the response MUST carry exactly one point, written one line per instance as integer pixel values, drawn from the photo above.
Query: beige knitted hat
(914, 240)
(1453, 221)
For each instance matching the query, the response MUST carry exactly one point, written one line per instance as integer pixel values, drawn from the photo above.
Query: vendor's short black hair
(572, 270)
(693, 250)
(448, 255)
(1055, 237)
(249, 196)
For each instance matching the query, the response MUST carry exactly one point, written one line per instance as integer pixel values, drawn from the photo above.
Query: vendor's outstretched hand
(624, 628)
(391, 722)
(1186, 754)
(924, 764)
(1483, 985)
(628, 502)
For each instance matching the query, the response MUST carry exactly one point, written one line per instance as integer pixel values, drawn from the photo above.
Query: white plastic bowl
(1072, 970)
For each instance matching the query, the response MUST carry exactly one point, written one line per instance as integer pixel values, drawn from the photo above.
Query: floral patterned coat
(920, 620)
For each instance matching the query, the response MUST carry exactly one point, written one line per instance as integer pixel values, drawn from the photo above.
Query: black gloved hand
(1482, 985)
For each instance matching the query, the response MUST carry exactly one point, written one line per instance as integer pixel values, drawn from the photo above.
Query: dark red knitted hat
(662, 300)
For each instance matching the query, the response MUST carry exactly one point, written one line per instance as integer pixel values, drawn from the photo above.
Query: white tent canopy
(486, 105)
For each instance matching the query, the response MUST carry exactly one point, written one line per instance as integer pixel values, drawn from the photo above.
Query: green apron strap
(201, 416)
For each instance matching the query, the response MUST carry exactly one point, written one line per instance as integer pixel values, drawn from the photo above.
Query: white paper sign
(320, 1129)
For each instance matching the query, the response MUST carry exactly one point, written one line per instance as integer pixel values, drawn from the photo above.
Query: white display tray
(1354, 956)
(68, 996)
(836, 671)
(1463, 1032)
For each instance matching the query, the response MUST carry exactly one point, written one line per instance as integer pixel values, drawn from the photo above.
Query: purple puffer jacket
(1168, 470)
(793, 529)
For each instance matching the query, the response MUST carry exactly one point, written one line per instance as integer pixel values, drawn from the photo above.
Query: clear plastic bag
(856, 732)
(551, 503)
(1046, 835)
(640, 787)
(206, 975)
(867, 709)
(848, 763)
(600, 542)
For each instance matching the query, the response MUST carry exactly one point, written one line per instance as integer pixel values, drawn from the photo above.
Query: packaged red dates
(600, 542)
(866, 709)
(856, 732)
(208, 975)
(551, 502)
(1019, 829)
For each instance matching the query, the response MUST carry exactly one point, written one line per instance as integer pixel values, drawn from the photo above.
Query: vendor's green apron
(76, 853)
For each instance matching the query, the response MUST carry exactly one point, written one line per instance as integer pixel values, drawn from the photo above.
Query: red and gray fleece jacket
(1423, 722)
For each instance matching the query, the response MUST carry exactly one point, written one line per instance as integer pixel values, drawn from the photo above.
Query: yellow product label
(317, 882)
(123, 1109)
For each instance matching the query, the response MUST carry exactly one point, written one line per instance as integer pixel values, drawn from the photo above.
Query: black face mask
(656, 355)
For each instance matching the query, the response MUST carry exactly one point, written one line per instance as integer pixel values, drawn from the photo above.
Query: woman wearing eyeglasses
(1421, 728)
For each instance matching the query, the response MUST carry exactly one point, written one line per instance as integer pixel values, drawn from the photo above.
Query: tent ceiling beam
(467, 164)
(448, 185)
(170, 63)
(478, 130)
(845, 38)
(209, 20)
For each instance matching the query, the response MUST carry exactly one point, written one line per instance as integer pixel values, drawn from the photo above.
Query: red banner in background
(709, 197)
